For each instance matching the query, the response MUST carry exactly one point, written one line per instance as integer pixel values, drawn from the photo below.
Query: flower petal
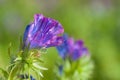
(43, 32)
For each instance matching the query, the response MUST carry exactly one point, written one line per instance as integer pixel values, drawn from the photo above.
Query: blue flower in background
(26, 77)
(72, 49)
(43, 32)
(63, 48)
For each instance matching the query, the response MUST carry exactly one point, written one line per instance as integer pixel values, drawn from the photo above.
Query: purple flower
(72, 49)
(43, 32)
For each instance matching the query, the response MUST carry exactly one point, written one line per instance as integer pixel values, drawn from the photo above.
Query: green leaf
(16, 68)
(38, 60)
(39, 67)
(37, 71)
(5, 74)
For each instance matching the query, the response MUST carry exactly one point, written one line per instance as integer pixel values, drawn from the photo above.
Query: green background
(97, 22)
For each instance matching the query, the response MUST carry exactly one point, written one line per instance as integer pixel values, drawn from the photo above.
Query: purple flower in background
(43, 32)
(79, 50)
(72, 49)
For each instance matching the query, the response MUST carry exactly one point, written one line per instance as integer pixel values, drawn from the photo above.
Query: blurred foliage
(97, 22)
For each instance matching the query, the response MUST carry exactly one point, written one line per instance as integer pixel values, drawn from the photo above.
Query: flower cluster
(76, 60)
(39, 35)
(42, 33)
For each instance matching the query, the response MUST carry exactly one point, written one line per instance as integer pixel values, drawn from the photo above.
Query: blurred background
(97, 22)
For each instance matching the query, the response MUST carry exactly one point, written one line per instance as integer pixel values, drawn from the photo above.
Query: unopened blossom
(43, 32)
